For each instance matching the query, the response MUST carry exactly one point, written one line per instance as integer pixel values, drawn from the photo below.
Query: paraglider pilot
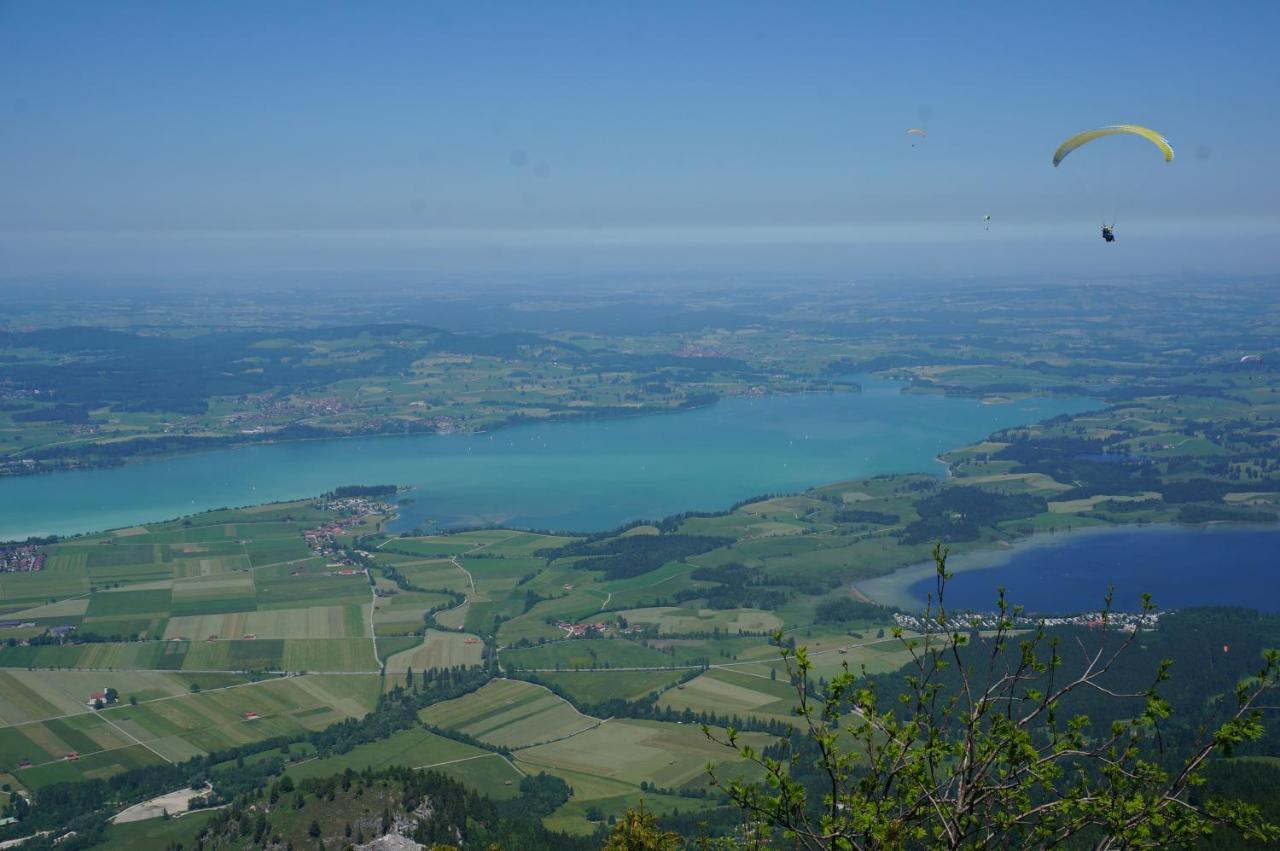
(1107, 234)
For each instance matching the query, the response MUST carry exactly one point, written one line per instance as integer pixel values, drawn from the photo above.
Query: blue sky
(154, 136)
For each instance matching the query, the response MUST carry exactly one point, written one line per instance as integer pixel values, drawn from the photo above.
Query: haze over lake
(584, 475)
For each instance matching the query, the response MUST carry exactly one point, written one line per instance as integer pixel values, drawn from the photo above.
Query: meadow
(604, 760)
(173, 725)
(438, 649)
(510, 714)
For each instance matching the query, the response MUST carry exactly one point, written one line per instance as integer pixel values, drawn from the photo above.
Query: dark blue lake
(1178, 566)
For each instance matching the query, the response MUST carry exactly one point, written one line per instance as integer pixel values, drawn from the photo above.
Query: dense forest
(425, 806)
(633, 555)
(960, 513)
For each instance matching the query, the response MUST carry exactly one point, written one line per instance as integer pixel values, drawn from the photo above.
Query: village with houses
(352, 512)
(598, 628)
(1122, 621)
(581, 630)
(23, 558)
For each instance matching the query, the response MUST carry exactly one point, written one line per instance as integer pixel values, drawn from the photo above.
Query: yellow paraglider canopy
(1089, 135)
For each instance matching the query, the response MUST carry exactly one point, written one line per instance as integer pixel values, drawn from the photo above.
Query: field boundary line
(373, 627)
(656, 668)
(280, 671)
(480, 547)
(114, 726)
(454, 761)
(82, 755)
(517, 768)
(557, 697)
(143, 744)
(474, 593)
(145, 702)
(600, 722)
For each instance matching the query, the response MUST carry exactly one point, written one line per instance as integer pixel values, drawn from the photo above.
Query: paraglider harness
(1107, 234)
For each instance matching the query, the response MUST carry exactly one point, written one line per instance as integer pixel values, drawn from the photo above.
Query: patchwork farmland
(159, 643)
(234, 630)
(225, 591)
(168, 725)
(510, 714)
(604, 760)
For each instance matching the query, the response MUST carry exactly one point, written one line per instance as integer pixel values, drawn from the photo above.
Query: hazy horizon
(144, 138)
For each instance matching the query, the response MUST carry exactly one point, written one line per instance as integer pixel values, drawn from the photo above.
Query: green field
(315, 622)
(630, 752)
(143, 655)
(34, 695)
(678, 620)
(172, 724)
(116, 603)
(45, 742)
(591, 687)
(438, 650)
(92, 765)
(226, 590)
(493, 775)
(509, 713)
(419, 748)
(212, 720)
(404, 612)
(156, 833)
(725, 691)
(600, 653)
(416, 748)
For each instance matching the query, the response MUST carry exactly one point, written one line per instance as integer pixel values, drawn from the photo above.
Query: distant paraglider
(1251, 359)
(915, 132)
(1088, 136)
(1081, 139)
(986, 222)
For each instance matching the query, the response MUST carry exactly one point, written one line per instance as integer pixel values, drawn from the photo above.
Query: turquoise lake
(1179, 566)
(583, 475)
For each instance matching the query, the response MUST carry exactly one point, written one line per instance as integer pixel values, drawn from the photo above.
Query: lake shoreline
(894, 589)
(546, 474)
(240, 441)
